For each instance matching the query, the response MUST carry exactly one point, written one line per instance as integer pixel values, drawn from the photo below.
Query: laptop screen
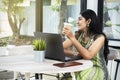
(54, 48)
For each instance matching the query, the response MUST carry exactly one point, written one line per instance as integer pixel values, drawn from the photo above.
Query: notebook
(54, 48)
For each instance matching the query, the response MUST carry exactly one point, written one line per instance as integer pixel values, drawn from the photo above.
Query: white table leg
(73, 76)
(16, 75)
(27, 76)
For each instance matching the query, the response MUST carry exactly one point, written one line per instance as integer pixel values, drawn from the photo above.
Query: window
(111, 16)
(50, 18)
(52, 15)
(21, 20)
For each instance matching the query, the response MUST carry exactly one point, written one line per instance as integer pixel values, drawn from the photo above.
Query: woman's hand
(68, 32)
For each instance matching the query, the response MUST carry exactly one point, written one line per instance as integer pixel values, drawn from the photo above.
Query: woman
(91, 44)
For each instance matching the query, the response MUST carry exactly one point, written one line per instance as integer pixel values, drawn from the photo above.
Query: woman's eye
(79, 18)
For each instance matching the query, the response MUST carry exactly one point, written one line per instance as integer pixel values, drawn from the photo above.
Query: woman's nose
(77, 22)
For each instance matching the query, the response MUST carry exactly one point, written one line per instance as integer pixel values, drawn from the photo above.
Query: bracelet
(75, 53)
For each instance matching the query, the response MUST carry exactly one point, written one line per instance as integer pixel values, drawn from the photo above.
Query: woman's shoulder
(98, 36)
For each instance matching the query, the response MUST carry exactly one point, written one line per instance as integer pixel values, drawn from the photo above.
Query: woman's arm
(93, 49)
(66, 45)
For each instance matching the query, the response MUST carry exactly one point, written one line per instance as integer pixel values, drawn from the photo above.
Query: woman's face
(82, 23)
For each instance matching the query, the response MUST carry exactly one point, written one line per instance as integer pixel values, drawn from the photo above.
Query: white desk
(25, 63)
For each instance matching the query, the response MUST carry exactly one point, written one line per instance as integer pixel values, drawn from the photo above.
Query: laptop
(54, 48)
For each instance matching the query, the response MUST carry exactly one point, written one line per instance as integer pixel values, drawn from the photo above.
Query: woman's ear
(89, 20)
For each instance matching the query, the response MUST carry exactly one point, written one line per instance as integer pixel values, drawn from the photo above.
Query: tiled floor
(45, 77)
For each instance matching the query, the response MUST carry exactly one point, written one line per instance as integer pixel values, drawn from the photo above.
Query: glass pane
(19, 22)
(111, 18)
(51, 13)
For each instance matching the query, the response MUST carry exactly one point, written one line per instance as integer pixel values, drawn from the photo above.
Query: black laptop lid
(54, 48)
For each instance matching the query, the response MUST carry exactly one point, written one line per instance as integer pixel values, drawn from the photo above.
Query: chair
(118, 61)
(114, 53)
(4, 74)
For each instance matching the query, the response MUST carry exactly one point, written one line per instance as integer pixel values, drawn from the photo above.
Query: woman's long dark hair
(95, 28)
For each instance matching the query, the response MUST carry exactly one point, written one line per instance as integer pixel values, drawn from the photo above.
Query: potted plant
(3, 43)
(39, 47)
(3, 48)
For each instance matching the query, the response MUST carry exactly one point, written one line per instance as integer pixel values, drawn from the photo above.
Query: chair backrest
(114, 54)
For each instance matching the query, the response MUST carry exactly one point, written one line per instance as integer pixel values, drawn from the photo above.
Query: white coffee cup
(67, 25)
